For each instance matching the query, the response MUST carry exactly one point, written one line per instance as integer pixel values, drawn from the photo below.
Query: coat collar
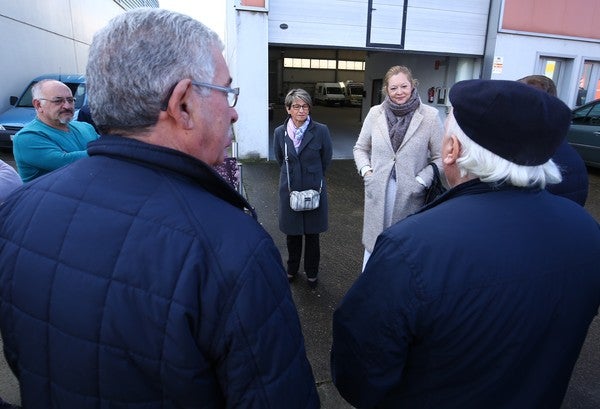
(472, 187)
(308, 136)
(170, 160)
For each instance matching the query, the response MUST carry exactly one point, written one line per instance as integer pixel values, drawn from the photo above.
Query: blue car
(584, 133)
(22, 111)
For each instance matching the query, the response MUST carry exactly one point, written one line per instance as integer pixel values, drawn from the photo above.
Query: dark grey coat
(307, 169)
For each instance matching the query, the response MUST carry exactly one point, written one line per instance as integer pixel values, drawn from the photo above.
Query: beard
(66, 118)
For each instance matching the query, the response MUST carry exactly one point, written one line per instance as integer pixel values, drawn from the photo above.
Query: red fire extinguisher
(430, 94)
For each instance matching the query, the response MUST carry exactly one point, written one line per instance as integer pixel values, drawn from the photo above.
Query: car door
(584, 133)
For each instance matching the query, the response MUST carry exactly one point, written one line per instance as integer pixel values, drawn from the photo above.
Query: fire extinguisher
(430, 94)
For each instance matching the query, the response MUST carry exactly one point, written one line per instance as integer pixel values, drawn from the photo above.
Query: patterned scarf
(399, 117)
(296, 134)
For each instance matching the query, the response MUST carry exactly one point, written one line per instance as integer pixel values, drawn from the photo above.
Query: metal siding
(457, 29)
(457, 26)
(464, 6)
(340, 23)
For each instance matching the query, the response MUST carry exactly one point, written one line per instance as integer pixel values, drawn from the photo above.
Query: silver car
(584, 133)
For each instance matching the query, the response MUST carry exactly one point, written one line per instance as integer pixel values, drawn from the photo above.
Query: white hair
(491, 168)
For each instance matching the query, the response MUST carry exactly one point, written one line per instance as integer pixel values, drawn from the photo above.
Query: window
(588, 115)
(322, 64)
(551, 68)
(588, 88)
(558, 70)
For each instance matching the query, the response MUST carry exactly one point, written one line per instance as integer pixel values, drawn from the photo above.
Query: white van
(330, 93)
(354, 93)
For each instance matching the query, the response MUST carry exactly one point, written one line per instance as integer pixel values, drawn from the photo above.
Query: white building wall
(40, 36)
(247, 55)
(521, 56)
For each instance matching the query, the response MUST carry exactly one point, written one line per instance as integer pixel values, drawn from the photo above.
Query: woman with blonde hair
(398, 139)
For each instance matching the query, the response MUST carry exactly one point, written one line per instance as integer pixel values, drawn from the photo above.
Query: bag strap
(436, 171)
(287, 168)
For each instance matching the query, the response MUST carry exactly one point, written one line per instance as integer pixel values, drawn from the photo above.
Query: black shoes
(312, 282)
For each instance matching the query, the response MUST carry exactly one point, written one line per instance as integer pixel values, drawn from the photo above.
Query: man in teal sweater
(51, 140)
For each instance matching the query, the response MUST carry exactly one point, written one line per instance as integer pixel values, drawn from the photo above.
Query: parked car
(22, 111)
(584, 133)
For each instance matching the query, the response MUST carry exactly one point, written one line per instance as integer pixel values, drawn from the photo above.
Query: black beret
(513, 120)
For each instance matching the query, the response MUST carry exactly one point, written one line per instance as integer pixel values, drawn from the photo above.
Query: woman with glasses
(303, 150)
(397, 140)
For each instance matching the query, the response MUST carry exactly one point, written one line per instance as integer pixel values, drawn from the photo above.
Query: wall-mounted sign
(498, 65)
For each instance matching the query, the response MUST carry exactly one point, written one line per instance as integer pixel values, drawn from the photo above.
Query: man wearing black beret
(482, 299)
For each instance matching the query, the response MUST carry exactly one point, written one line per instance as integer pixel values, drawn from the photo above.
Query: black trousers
(312, 254)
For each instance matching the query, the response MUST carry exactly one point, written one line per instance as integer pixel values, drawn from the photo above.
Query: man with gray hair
(52, 140)
(138, 277)
(482, 299)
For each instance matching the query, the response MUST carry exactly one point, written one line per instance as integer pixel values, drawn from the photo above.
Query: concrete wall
(521, 36)
(40, 36)
(521, 56)
(246, 51)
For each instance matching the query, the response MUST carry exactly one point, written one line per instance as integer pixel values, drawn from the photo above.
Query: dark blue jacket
(483, 300)
(307, 171)
(575, 184)
(135, 279)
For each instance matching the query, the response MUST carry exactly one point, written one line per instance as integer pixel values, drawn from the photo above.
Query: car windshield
(78, 90)
(354, 90)
(332, 90)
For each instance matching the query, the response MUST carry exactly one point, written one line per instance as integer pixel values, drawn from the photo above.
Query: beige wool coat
(422, 144)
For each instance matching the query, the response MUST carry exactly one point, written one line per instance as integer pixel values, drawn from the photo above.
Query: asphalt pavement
(341, 260)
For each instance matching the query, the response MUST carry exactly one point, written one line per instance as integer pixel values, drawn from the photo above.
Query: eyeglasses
(299, 107)
(60, 100)
(232, 93)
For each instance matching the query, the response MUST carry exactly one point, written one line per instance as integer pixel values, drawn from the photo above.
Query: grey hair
(36, 90)
(297, 93)
(490, 168)
(136, 60)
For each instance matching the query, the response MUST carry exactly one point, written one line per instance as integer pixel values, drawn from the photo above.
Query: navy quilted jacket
(135, 279)
(481, 300)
